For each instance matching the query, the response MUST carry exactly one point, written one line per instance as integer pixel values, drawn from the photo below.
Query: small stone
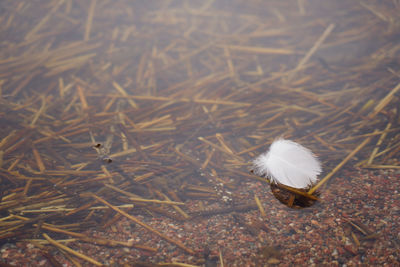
(273, 261)
(334, 253)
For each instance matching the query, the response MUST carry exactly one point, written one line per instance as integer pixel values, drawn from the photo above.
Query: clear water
(178, 93)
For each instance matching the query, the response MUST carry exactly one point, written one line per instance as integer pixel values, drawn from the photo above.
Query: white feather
(289, 163)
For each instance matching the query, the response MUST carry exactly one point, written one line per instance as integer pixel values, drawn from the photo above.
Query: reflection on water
(170, 101)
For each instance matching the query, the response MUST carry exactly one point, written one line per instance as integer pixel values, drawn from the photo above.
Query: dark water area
(157, 109)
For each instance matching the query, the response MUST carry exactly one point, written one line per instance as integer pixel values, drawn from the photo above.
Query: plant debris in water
(181, 96)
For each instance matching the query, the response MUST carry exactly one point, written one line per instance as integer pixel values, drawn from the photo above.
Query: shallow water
(174, 99)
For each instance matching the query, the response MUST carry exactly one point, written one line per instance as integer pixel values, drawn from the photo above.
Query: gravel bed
(321, 235)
